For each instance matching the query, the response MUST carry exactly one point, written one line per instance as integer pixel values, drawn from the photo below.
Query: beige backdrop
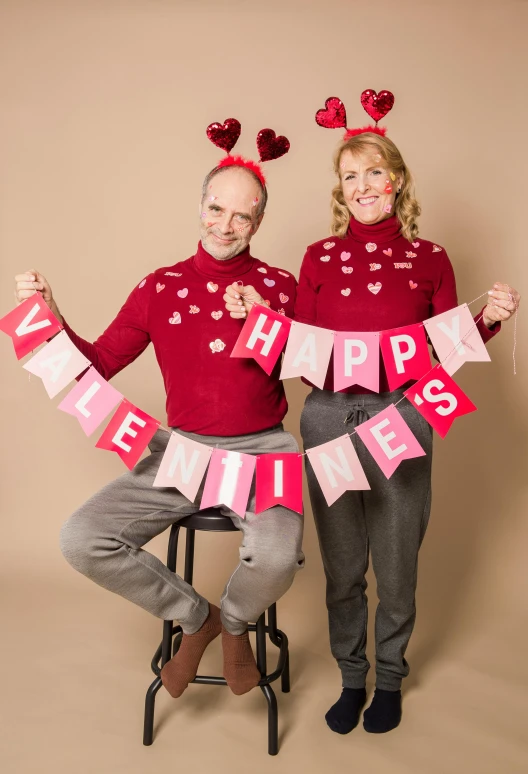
(103, 149)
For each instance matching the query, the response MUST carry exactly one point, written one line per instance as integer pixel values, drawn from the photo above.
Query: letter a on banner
(439, 400)
(30, 324)
(128, 433)
(57, 364)
(389, 439)
(279, 482)
(91, 400)
(356, 360)
(183, 465)
(337, 468)
(263, 337)
(456, 339)
(229, 480)
(308, 353)
(405, 354)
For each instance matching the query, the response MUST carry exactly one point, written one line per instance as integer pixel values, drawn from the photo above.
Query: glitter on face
(212, 198)
(377, 157)
(387, 208)
(392, 176)
(255, 200)
(388, 189)
(204, 214)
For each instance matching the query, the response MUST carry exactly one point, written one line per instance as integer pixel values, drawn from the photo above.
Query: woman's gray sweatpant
(390, 519)
(104, 538)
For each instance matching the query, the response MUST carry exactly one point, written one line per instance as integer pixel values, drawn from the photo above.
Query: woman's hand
(240, 298)
(503, 302)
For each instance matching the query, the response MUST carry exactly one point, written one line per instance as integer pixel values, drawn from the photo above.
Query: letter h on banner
(263, 337)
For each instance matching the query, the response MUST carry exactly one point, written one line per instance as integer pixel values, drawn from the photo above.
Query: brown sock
(240, 668)
(182, 668)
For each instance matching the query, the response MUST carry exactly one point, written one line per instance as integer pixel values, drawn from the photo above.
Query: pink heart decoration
(262, 270)
(413, 285)
(377, 105)
(269, 282)
(388, 251)
(142, 283)
(328, 245)
(175, 319)
(345, 256)
(183, 293)
(345, 292)
(216, 315)
(211, 287)
(325, 258)
(374, 288)
(159, 287)
(416, 244)
(217, 345)
(347, 269)
(370, 247)
(436, 249)
(283, 299)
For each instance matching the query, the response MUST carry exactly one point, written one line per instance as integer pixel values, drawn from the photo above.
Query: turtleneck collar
(385, 231)
(233, 267)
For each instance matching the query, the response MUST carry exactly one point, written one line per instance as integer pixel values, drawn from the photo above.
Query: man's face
(228, 216)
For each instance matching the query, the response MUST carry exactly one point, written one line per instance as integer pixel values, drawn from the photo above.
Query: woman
(393, 279)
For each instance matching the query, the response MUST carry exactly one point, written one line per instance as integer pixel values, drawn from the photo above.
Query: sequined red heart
(225, 135)
(377, 105)
(270, 146)
(333, 116)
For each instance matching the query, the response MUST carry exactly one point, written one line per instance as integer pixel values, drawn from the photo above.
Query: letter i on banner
(30, 324)
(308, 353)
(228, 481)
(279, 482)
(405, 354)
(439, 400)
(337, 468)
(57, 364)
(128, 433)
(389, 439)
(456, 338)
(91, 400)
(262, 337)
(183, 465)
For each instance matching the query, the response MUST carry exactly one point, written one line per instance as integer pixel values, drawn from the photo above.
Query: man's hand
(503, 302)
(27, 283)
(240, 298)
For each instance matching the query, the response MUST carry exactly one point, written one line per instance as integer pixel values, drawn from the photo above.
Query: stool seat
(208, 520)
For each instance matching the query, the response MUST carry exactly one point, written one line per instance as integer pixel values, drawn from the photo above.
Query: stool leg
(148, 723)
(276, 640)
(267, 690)
(189, 557)
(285, 676)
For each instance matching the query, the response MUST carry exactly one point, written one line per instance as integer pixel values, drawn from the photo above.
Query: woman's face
(369, 187)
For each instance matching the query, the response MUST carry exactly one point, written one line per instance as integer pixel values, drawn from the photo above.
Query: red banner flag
(128, 433)
(279, 482)
(30, 324)
(263, 337)
(405, 354)
(439, 400)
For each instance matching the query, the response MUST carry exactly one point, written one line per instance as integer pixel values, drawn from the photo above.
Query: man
(220, 401)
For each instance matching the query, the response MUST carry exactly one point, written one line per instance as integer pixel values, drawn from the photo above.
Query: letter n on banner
(308, 353)
(279, 482)
(57, 364)
(337, 468)
(389, 439)
(439, 400)
(183, 465)
(30, 324)
(229, 480)
(405, 354)
(263, 337)
(91, 400)
(128, 433)
(456, 338)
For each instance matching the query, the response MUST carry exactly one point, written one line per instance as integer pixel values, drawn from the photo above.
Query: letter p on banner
(263, 337)
(279, 482)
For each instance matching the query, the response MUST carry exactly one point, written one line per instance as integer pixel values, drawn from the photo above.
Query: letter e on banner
(389, 439)
(128, 433)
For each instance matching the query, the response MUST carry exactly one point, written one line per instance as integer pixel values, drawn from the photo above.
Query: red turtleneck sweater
(372, 280)
(180, 309)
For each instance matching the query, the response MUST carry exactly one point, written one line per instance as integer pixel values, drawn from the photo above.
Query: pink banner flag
(91, 400)
(439, 400)
(389, 439)
(356, 360)
(279, 482)
(337, 468)
(456, 339)
(128, 433)
(263, 337)
(183, 465)
(229, 480)
(405, 354)
(30, 324)
(307, 353)
(57, 364)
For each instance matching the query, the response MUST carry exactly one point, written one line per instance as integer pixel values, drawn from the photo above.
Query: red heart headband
(269, 146)
(333, 116)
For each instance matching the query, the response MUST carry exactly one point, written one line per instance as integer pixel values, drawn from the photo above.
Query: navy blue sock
(343, 716)
(384, 713)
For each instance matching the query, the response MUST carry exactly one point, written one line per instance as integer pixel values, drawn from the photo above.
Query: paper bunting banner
(263, 337)
(356, 360)
(91, 400)
(337, 468)
(456, 339)
(389, 439)
(405, 354)
(307, 353)
(30, 324)
(128, 433)
(229, 480)
(183, 465)
(57, 364)
(279, 482)
(439, 400)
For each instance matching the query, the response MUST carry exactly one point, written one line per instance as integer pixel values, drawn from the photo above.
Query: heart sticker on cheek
(269, 282)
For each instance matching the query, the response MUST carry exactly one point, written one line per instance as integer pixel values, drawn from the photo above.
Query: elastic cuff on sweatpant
(354, 681)
(233, 627)
(388, 685)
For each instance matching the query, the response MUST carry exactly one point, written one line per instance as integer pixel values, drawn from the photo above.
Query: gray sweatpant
(104, 540)
(390, 519)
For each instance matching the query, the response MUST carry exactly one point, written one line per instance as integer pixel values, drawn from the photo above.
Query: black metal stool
(212, 520)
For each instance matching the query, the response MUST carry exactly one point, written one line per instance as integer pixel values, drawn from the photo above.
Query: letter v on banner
(263, 337)
(183, 465)
(279, 482)
(337, 468)
(439, 400)
(30, 324)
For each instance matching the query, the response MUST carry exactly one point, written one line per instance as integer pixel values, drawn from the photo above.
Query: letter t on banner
(263, 337)
(183, 465)
(229, 480)
(279, 482)
(128, 433)
(439, 400)
(389, 439)
(337, 468)
(30, 324)
(308, 353)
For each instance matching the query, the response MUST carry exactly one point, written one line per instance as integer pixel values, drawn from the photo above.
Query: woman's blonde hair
(406, 207)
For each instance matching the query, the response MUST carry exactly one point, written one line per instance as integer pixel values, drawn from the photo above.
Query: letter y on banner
(456, 339)
(279, 482)
(439, 400)
(263, 337)
(30, 324)
(183, 465)
(337, 468)
(229, 480)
